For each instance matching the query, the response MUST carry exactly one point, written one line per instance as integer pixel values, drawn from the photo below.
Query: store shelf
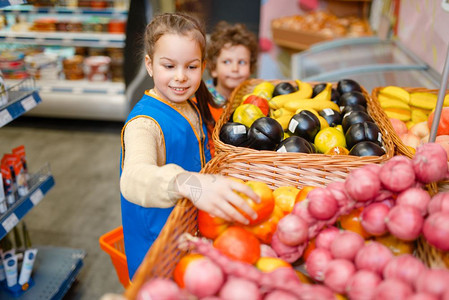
(22, 97)
(80, 39)
(39, 185)
(6, 3)
(55, 269)
(29, 9)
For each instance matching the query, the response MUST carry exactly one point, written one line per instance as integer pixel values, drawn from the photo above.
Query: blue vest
(142, 225)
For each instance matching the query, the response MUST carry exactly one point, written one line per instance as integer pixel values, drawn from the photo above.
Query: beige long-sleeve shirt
(145, 177)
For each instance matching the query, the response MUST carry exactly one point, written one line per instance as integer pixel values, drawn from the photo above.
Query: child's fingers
(239, 202)
(243, 188)
(232, 212)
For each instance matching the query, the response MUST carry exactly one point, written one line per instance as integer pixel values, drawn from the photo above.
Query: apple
(262, 103)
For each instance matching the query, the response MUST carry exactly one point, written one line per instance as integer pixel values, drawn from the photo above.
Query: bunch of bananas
(409, 107)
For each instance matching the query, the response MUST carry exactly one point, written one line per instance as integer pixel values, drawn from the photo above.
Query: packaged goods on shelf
(96, 68)
(3, 90)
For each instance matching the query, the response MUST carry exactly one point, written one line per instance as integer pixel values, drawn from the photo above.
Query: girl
(232, 57)
(164, 140)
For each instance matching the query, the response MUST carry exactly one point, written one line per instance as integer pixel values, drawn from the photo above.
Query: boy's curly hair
(237, 34)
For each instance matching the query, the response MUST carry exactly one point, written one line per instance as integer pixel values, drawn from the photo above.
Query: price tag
(10, 222)
(5, 117)
(28, 103)
(36, 197)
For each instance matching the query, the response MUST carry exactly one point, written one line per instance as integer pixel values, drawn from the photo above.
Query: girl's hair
(181, 24)
(237, 34)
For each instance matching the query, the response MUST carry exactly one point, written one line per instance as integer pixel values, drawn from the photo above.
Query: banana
(400, 114)
(393, 103)
(280, 112)
(325, 94)
(418, 116)
(304, 91)
(284, 120)
(395, 92)
(278, 101)
(310, 103)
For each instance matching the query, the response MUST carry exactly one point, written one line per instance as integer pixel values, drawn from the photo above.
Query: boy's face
(233, 67)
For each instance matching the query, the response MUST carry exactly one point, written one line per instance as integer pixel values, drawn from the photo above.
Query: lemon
(264, 89)
(328, 138)
(246, 114)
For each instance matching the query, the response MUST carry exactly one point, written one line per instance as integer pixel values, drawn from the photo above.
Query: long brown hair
(182, 24)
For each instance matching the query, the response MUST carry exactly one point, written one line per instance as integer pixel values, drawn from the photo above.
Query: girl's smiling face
(176, 67)
(232, 68)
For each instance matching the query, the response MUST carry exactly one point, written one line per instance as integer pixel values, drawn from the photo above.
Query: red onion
(346, 245)
(315, 292)
(405, 222)
(393, 289)
(317, 262)
(373, 218)
(362, 285)
(445, 295)
(416, 197)
(422, 296)
(292, 230)
(436, 230)
(430, 163)
(433, 281)
(397, 174)
(322, 205)
(288, 253)
(326, 236)
(375, 168)
(279, 295)
(362, 185)
(404, 267)
(439, 202)
(300, 209)
(373, 257)
(239, 288)
(159, 288)
(337, 274)
(203, 277)
(338, 190)
(267, 251)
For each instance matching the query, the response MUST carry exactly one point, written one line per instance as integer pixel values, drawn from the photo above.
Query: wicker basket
(319, 168)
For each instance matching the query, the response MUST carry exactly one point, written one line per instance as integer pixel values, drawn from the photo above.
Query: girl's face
(176, 67)
(233, 67)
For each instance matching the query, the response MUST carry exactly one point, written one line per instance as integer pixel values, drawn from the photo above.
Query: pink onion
(279, 295)
(393, 289)
(362, 185)
(326, 236)
(373, 218)
(445, 295)
(288, 253)
(322, 204)
(292, 230)
(317, 262)
(422, 296)
(405, 222)
(338, 190)
(300, 209)
(404, 267)
(397, 174)
(433, 281)
(346, 245)
(203, 278)
(267, 251)
(430, 163)
(337, 274)
(239, 288)
(362, 285)
(439, 202)
(373, 257)
(159, 288)
(416, 197)
(315, 292)
(375, 168)
(436, 230)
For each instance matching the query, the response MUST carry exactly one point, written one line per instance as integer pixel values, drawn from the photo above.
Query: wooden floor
(85, 201)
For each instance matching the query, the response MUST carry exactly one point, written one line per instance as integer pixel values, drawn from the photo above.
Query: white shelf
(81, 39)
(29, 9)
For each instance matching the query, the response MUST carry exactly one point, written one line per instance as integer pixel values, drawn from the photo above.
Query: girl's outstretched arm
(217, 195)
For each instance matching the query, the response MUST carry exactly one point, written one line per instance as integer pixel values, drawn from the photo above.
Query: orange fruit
(396, 245)
(285, 198)
(303, 193)
(266, 205)
(304, 278)
(352, 222)
(181, 266)
(337, 151)
(239, 244)
(310, 247)
(265, 230)
(269, 264)
(209, 226)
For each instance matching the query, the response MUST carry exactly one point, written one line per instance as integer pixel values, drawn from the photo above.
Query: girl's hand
(217, 195)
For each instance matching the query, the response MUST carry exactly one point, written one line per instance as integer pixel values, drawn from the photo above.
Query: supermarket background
(82, 54)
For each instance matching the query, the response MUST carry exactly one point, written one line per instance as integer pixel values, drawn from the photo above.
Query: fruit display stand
(318, 169)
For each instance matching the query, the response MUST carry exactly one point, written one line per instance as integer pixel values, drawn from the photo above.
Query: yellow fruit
(269, 264)
(287, 134)
(246, 114)
(280, 112)
(278, 102)
(265, 87)
(284, 198)
(418, 116)
(309, 109)
(409, 124)
(337, 151)
(304, 92)
(391, 103)
(400, 114)
(395, 92)
(329, 138)
(324, 95)
(294, 105)
(423, 100)
(284, 120)
(339, 128)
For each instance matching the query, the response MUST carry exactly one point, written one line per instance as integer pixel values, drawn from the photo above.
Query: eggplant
(235, 134)
(366, 131)
(366, 148)
(304, 124)
(265, 134)
(331, 116)
(335, 96)
(354, 117)
(352, 98)
(348, 85)
(350, 108)
(283, 88)
(318, 88)
(295, 144)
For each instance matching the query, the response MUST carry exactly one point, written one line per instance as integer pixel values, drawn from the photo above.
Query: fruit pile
(306, 119)
(299, 229)
(411, 114)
